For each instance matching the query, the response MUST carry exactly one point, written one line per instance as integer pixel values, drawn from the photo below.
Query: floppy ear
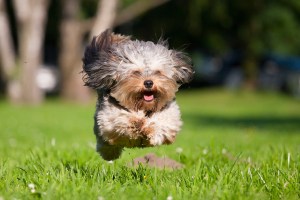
(98, 61)
(183, 70)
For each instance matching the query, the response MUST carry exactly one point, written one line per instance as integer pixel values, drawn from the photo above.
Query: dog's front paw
(135, 126)
(148, 130)
(162, 137)
(139, 132)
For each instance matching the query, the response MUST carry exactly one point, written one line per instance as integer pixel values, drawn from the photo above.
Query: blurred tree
(249, 28)
(71, 37)
(105, 16)
(31, 17)
(7, 55)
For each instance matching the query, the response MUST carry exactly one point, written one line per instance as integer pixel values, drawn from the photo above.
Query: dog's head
(140, 75)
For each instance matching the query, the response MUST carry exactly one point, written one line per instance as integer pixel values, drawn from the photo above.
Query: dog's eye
(137, 73)
(157, 72)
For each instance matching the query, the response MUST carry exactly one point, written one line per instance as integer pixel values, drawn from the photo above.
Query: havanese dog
(136, 82)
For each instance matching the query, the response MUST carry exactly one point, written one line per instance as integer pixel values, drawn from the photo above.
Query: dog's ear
(183, 70)
(98, 68)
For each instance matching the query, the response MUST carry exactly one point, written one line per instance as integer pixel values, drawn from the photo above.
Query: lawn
(233, 145)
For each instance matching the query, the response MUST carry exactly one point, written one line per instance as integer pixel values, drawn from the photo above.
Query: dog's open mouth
(148, 96)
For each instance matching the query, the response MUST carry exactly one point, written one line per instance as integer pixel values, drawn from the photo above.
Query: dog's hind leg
(108, 152)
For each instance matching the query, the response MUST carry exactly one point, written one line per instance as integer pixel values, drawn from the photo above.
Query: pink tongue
(148, 97)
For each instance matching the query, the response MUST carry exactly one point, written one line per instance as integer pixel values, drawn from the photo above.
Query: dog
(136, 82)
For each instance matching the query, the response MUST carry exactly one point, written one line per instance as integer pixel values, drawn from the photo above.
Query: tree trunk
(70, 63)
(71, 50)
(136, 9)
(31, 17)
(8, 57)
(106, 15)
(250, 65)
(7, 53)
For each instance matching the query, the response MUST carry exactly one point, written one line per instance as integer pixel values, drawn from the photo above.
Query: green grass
(235, 146)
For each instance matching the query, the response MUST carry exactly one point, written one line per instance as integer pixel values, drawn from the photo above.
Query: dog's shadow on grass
(280, 124)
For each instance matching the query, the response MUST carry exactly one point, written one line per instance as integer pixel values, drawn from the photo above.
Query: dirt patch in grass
(153, 160)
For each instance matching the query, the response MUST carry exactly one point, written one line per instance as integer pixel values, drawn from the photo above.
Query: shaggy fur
(136, 83)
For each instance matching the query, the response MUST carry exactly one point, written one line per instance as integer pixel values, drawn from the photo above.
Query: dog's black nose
(148, 84)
